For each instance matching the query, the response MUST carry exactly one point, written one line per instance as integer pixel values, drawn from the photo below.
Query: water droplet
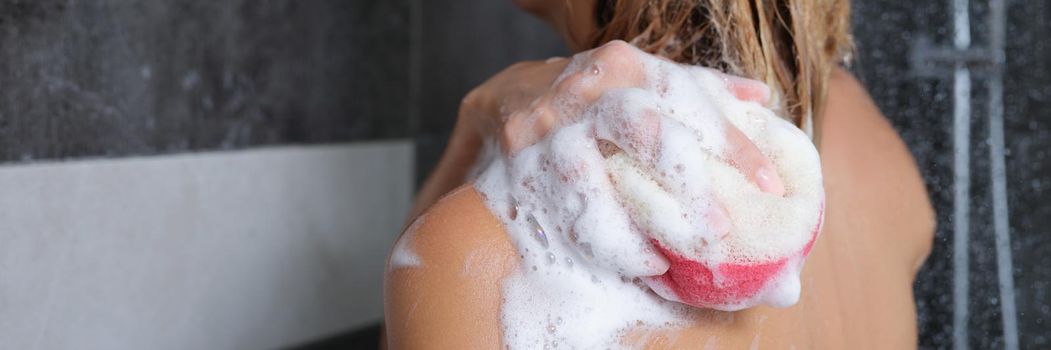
(550, 258)
(559, 321)
(514, 212)
(595, 70)
(538, 231)
(551, 328)
(569, 261)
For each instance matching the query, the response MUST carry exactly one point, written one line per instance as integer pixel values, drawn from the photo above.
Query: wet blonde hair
(791, 45)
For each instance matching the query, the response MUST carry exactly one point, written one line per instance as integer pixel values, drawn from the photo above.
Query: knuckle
(615, 52)
(617, 46)
(569, 83)
(507, 137)
(546, 118)
(472, 99)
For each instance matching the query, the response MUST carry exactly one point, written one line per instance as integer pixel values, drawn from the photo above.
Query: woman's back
(856, 284)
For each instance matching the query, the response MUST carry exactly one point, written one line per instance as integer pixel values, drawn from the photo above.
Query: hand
(593, 87)
(485, 108)
(501, 107)
(674, 180)
(585, 80)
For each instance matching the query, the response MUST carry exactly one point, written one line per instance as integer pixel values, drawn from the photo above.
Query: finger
(747, 89)
(609, 67)
(614, 65)
(525, 127)
(745, 156)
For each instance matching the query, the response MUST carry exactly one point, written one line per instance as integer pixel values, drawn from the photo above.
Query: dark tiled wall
(112, 78)
(921, 108)
(463, 43)
(1028, 132)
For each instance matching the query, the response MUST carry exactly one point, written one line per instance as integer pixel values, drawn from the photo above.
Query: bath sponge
(758, 260)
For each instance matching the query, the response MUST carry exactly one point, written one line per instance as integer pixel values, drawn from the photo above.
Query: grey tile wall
(258, 249)
(920, 106)
(112, 78)
(1027, 122)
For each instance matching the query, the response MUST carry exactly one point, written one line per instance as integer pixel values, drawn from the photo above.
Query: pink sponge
(739, 285)
(756, 260)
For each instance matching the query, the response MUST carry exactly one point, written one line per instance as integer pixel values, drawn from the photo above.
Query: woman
(857, 283)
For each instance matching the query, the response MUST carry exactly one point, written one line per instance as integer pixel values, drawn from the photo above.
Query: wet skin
(856, 285)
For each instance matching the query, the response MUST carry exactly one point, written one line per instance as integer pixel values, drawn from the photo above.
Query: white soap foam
(404, 254)
(582, 222)
(566, 293)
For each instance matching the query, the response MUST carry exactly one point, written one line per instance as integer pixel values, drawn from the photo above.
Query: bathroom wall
(199, 174)
(229, 174)
(981, 140)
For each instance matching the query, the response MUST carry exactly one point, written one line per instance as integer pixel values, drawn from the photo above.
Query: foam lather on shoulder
(620, 201)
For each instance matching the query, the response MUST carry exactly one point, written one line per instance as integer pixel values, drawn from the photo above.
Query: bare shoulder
(442, 286)
(870, 171)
